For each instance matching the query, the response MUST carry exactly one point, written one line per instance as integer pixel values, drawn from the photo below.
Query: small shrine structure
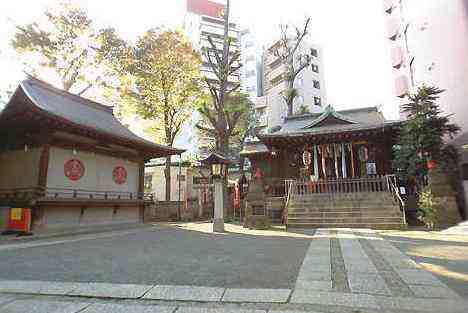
(70, 160)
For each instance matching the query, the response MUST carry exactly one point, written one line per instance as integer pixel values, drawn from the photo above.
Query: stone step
(374, 213)
(365, 220)
(347, 225)
(331, 202)
(345, 209)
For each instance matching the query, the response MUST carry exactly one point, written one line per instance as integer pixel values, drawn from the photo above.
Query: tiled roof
(83, 113)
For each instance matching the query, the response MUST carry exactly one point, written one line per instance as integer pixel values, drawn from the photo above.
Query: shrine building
(70, 160)
(330, 156)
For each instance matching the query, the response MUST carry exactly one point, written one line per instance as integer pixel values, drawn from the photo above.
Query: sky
(356, 54)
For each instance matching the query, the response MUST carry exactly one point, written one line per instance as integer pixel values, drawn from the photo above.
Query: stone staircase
(376, 210)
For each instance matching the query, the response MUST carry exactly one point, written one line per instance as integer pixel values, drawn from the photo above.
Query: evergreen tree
(422, 135)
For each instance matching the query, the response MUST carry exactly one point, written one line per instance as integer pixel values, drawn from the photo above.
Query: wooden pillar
(353, 170)
(43, 166)
(335, 157)
(343, 161)
(141, 188)
(37, 211)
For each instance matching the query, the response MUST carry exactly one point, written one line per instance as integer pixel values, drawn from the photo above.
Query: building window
(249, 44)
(315, 68)
(318, 101)
(180, 177)
(314, 52)
(316, 84)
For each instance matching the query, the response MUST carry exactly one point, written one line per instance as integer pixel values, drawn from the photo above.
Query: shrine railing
(377, 183)
(75, 194)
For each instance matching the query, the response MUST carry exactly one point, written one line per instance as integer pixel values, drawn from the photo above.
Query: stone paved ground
(340, 270)
(161, 255)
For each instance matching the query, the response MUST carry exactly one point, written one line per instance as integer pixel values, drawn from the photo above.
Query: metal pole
(179, 179)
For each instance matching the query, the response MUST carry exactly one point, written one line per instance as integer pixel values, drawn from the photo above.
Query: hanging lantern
(363, 154)
(431, 164)
(307, 158)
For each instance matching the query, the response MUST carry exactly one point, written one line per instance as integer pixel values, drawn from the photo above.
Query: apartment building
(429, 45)
(311, 94)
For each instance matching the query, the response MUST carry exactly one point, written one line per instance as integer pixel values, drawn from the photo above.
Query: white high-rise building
(251, 60)
(309, 84)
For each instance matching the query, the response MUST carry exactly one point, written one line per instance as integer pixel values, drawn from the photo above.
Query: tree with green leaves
(295, 61)
(236, 102)
(160, 82)
(66, 44)
(422, 135)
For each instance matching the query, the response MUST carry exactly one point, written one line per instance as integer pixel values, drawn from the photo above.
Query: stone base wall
(56, 217)
(168, 211)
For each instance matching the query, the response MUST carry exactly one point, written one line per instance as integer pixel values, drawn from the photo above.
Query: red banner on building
(205, 7)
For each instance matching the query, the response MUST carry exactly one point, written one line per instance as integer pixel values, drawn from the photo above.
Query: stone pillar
(218, 219)
(447, 208)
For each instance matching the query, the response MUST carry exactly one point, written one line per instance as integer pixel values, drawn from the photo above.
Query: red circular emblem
(119, 175)
(74, 169)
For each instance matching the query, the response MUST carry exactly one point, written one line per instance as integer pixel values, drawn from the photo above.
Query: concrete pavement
(340, 270)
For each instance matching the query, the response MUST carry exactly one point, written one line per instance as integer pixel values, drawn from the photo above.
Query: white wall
(159, 182)
(98, 172)
(19, 169)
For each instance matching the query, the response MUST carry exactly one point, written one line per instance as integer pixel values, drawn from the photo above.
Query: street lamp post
(218, 165)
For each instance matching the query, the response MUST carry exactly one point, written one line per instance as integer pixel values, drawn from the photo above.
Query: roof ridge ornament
(329, 111)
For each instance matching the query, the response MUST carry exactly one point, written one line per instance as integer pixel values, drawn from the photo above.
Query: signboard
(74, 169)
(371, 168)
(119, 175)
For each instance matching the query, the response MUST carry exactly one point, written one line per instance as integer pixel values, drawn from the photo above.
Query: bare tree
(221, 117)
(286, 51)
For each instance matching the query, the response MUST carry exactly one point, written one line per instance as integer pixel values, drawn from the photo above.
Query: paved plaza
(183, 269)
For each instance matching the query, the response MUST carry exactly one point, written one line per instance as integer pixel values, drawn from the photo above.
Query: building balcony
(393, 28)
(397, 55)
(401, 86)
(278, 71)
(261, 102)
(388, 6)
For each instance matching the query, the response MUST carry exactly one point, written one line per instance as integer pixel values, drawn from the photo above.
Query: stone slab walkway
(343, 270)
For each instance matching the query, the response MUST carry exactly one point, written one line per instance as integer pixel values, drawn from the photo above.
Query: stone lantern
(218, 165)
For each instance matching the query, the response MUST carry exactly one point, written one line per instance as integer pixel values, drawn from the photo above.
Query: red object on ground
(119, 175)
(236, 196)
(205, 7)
(74, 169)
(19, 219)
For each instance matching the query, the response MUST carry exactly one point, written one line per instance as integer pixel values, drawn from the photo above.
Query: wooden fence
(377, 183)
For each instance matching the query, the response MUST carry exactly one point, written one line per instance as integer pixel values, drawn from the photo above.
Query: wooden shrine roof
(79, 113)
(328, 126)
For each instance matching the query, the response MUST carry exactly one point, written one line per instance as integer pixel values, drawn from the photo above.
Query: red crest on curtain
(73, 169)
(119, 175)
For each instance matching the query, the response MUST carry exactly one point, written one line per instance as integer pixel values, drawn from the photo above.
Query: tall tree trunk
(167, 175)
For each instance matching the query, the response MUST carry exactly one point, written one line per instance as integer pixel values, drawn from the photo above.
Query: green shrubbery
(427, 207)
